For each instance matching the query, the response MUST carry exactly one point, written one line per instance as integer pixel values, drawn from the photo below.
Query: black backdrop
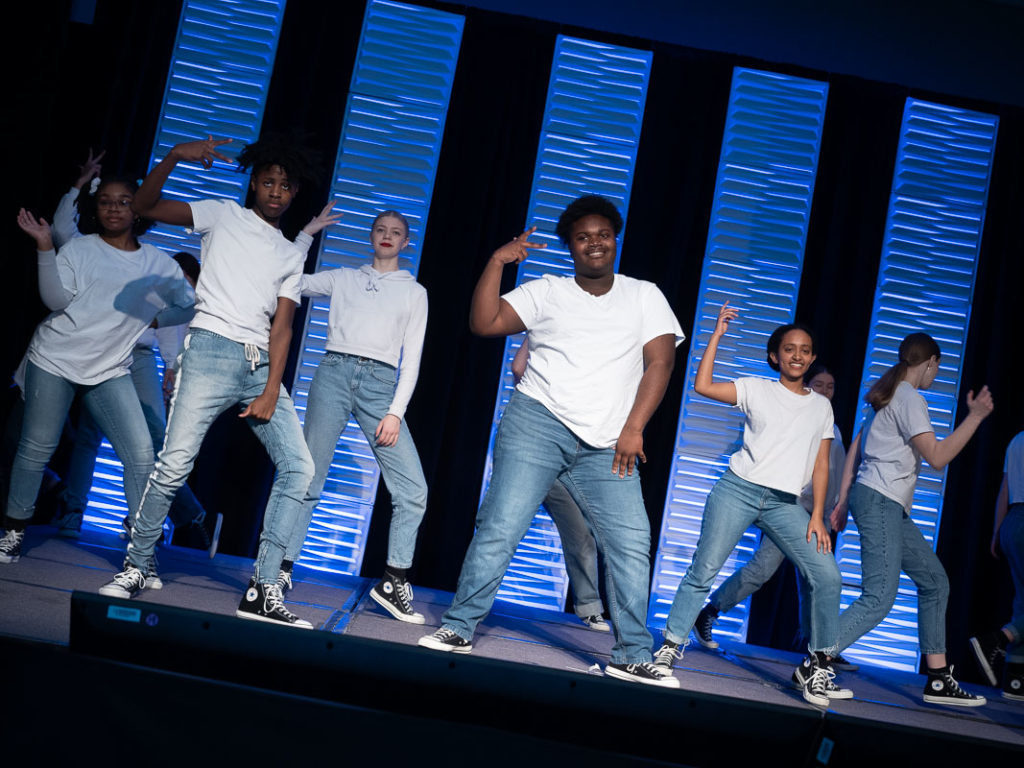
(101, 85)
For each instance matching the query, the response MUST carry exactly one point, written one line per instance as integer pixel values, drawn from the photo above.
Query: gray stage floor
(35, 596)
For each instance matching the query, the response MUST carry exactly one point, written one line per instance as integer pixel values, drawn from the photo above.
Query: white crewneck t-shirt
(889, 462)
(586, 351)
(104, 299)
(247, 265)
(781, 435)
(379, 315)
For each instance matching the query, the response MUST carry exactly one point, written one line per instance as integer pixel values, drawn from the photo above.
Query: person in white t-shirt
(235, 353)
(787, 438)
(602, 347)
(768, 557)
(104, 290)
(375, 329)
(888, 452)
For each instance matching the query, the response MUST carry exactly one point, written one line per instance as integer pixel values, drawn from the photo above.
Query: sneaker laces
(820, 680)
(284, 579)
(11, 539)
(953, 686)
(665, 655)
(444, 634)
(274, 602)
(126, 578)
(403, 591)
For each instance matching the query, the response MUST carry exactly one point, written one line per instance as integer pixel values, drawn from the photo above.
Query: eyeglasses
(114, 204)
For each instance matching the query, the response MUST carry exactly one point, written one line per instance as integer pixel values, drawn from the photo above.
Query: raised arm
(819, 484)
(704, 382)
(148, 202)
(488, 314)
(262, 408)
(939, 453)
(659, 358)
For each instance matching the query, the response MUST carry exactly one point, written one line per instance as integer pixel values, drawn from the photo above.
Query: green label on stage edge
(124, 614)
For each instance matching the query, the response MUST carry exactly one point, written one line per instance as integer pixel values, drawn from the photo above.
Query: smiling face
(114, 208)
(388, 236)
(592, 246)
(272, 193)
(823, 383)
(795, 354)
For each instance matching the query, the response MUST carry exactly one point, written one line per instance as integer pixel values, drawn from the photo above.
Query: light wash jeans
(343, 386)
(82, 465)
(733, 505)
(114, 407)
(532, 450)
(890, 542)
(1011, 541)
(215, 376)
(578, 548)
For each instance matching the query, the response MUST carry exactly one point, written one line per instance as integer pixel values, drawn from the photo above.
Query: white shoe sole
(428, 641)
(415, 618)
(215, 539)
(711, 645)
(983, 662)
(669, 681)
(980, 701)
(300, 624)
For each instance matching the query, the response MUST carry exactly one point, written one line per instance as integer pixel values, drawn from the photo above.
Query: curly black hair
(586, 206)
(288, 150)
(89, 223)
(775, 341)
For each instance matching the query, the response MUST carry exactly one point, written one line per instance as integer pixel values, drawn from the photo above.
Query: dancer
(104, 290)
(578, 546)
(766, 560)
(1001, 652)
(602, 349)
(77, 211)
(234, 353)
(787, 437)
(377, 320)
(888, 452)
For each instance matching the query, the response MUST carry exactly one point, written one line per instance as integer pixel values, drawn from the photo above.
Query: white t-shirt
(1013, 466)
(586, 351)
(112, 297)
(890, 463)
(247, 265)
(379, 315)
(781, 435)
(836, 459)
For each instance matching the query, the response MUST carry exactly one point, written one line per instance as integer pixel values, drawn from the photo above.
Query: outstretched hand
(90, 169)
(323, 219)
(516, 250)
(982, 405)
(725, 316)
(37, 229)
(203, 151)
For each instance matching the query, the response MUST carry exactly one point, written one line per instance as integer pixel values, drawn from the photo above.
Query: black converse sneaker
(702, 627)
(814, 679)
(205, 533)
(941, 688)
(127, 584)
(596, 622)
(645, 672)
(990, 651)
(68, 522)
(394, 595)
(264, 602)
(666, 656)
(446, 640)
(10, 546)
(153, 580)
(1013, 682)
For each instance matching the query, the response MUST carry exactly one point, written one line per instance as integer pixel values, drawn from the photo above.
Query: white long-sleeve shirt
(379, 315)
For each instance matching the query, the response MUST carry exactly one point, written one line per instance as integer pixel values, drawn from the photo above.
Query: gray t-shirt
(890, 464)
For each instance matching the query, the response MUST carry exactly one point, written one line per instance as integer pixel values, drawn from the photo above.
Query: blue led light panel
(216, 85)
(925, 283)
(387, 159)
(588, 145)
(754, 257)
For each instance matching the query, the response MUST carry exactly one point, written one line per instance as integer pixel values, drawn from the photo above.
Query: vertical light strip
(588, 145)
(925, 283)
(387, 159)
(217, 84)
(755, 251)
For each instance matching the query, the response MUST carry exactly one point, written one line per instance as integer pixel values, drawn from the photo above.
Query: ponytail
(914, 350)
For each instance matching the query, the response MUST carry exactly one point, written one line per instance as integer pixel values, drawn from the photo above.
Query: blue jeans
(345, 385)
(1011, 541)
(533, 449)
(890, 542)
(114, 407)
(82, 465)
(215, 376)
(578, 548)
(733, 506)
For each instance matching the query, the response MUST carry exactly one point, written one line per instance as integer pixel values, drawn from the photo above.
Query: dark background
(100, 84)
